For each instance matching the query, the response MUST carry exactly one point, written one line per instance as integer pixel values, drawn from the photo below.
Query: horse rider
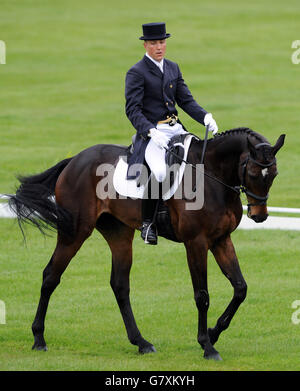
(152, 88)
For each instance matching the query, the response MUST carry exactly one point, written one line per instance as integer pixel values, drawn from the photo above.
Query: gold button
(171, 86)
(167, 103)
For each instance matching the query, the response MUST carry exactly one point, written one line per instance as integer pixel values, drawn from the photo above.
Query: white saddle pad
(130, 188)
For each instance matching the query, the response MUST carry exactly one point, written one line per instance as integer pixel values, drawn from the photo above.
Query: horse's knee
(240, 291)
(202, 300)
(119, 290)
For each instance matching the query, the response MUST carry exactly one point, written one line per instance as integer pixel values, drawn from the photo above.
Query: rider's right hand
(159, 138)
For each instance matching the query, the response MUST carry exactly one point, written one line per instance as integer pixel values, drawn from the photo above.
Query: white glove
(159, 138)
(211, 123)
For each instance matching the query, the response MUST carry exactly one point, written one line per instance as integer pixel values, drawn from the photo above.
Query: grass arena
(62, 90)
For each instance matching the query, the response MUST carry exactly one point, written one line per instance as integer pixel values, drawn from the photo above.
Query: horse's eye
(253, 175)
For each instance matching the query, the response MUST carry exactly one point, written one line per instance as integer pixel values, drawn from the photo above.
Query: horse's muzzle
(259, 218)
(258, 213)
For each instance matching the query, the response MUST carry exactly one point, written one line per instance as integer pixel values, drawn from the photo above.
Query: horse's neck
(224, 156)
(224, 152)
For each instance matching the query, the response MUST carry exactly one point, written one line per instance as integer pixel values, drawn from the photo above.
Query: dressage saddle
(157, 215)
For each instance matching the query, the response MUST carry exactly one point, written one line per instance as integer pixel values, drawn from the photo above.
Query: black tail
(34, 201)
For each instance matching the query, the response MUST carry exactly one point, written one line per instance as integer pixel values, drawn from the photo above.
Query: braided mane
(239, 131)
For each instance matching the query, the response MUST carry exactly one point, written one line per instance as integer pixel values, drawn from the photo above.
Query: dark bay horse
(238, 159)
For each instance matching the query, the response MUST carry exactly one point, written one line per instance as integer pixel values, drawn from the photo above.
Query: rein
(237, 189)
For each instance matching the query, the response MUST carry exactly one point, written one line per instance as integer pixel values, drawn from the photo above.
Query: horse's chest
(229, 221)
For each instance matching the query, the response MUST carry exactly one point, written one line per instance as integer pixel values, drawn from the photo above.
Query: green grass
(84, 329)
(62, 90)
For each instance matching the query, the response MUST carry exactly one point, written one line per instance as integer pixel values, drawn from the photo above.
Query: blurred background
(62, 87)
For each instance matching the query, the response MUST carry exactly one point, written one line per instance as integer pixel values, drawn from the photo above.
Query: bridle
(243, 188)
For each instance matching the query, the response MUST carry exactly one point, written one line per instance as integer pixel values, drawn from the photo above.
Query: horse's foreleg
(120, 243)
(51, 277)
(197, 261)
(226, 258)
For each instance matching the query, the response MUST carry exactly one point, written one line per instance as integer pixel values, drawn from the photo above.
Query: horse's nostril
(259, 218)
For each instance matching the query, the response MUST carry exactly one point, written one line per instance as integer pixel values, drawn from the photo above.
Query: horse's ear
(279, 144)
(251, 147)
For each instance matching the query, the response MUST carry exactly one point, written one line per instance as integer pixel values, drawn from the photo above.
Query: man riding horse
(66, 197)
(153, 86)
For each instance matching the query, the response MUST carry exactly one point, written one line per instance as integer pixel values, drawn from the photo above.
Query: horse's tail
(34, 201)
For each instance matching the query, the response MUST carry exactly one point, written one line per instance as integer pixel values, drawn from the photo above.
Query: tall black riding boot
(149, 231)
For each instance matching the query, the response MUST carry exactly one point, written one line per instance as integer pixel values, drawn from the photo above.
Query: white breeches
(155, 156)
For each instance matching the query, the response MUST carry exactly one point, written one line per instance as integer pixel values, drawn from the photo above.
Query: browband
(261, 144)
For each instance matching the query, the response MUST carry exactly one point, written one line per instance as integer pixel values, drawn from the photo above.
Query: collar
(160, 64)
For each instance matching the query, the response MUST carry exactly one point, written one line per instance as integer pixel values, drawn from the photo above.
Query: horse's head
(257, 172)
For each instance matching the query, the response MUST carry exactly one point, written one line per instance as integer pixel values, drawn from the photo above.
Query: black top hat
(154, 31)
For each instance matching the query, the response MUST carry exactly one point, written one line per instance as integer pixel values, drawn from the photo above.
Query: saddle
(178, 151)
(175, 153)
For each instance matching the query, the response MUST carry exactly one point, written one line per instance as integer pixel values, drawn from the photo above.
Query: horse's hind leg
(119, 238)
(60, 259)
(226, 258)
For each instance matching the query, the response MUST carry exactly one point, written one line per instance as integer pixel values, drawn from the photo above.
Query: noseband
(243, 188)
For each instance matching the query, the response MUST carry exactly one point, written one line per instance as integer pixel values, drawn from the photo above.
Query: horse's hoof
(40, 347)
(147, 349)
(213, 356)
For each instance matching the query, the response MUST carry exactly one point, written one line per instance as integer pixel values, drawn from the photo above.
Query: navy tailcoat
(150, 97)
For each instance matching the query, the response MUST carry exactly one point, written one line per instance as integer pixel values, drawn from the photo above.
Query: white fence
(4, 209)
(272, 222)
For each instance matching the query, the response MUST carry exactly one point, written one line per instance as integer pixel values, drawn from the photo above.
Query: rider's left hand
(211, 123)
